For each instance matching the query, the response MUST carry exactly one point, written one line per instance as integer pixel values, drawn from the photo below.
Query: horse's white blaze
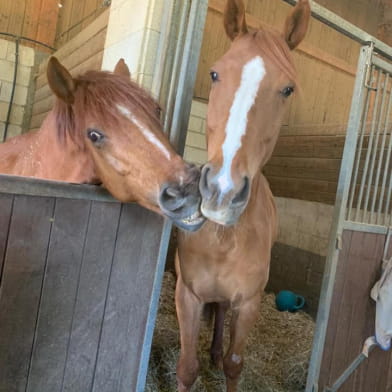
(253, 73)
(144, 130)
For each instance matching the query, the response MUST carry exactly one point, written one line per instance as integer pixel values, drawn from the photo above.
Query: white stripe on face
(251, 77)
(145, 131)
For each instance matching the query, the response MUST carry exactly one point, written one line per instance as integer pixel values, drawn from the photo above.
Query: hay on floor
(276, 359)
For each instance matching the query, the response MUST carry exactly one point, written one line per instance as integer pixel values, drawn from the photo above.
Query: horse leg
(189, 311)
(243, 319)
(216, 350)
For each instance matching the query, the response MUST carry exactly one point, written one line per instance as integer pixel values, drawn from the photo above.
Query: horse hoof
(217, 361)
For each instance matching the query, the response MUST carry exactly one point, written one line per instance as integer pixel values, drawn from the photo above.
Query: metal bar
(369, 149)
(364, 227)
(386, 247)
(187, 77)
(347, 373)
(11, 100)
(357, 105)
(360, 145)
(384, 181)
(343, 26)
(36, 187)
(153, 308)
(27, 39)
(383, 142)
(162, 48)
(388, 202)
(176, 65)
(380, 63)
(374, 155)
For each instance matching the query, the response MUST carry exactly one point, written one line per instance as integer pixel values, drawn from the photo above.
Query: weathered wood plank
(92, 29)
(61, 279)
(122, 335)
(90, 301)
(6, 204)
(37, 187)
(21, 287)
(90, 47)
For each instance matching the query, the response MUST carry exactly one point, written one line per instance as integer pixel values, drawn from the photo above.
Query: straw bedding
(276, 359)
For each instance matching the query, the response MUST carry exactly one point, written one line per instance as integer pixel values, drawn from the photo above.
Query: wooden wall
(74, 16)
(363, 13)
(83, 52)
(53, 22)
(35, 19)
(306, 161)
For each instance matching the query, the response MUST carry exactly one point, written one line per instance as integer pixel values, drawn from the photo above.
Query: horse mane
(98, 93)
(275, 48)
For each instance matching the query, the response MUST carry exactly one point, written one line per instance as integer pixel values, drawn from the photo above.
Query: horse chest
(225, 267)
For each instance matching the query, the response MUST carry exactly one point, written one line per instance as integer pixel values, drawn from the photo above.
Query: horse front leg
(189, 311)
(243, 319)
(216, 350)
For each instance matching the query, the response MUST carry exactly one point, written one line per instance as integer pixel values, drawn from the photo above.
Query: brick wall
(298, 256)
(19, 114)
(195, 145)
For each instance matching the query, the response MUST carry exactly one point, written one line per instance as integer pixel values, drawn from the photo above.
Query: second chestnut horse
(226, 263)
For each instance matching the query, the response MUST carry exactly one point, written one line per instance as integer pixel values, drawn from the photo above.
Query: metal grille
(369, 200)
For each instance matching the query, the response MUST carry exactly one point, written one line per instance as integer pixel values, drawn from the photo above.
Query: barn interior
(304, 170)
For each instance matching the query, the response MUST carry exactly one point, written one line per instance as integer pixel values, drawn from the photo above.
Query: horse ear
(60, 81)
(234, 19)
(121, 68)
(297, 23)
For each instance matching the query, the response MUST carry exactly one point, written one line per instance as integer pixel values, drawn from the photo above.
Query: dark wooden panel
(78, 295)
(21, 287)
(352, 316)
(58, 296)
(36, 187)
(5, 216)
(90, 301)
(334, 311)
(128, 300)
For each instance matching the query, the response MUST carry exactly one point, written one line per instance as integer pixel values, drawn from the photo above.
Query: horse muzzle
(223, 204)
(181, 202)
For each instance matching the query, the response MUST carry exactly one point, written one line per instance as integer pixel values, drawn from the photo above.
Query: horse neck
(40, 154)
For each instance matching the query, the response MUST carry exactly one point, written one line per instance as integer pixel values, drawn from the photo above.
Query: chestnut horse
(105, 129)
(226, 263)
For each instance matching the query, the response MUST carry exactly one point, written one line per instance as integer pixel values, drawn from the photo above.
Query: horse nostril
(204, 183)
(243, 194)
(172, 198)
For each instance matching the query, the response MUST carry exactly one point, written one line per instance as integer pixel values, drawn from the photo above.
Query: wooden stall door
(352, 317)
(78, 282)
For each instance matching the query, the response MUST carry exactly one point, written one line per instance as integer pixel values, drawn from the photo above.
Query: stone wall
(298, 257)
(20, 114)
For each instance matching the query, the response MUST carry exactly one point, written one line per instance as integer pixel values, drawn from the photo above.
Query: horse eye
(214, 76)
(287, 91)
(158, 111)
(95, 136)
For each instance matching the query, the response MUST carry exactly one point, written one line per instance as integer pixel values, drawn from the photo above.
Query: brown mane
(98, 93)
(275, 48)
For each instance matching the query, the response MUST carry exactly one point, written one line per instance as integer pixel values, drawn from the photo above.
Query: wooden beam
(304, 47)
